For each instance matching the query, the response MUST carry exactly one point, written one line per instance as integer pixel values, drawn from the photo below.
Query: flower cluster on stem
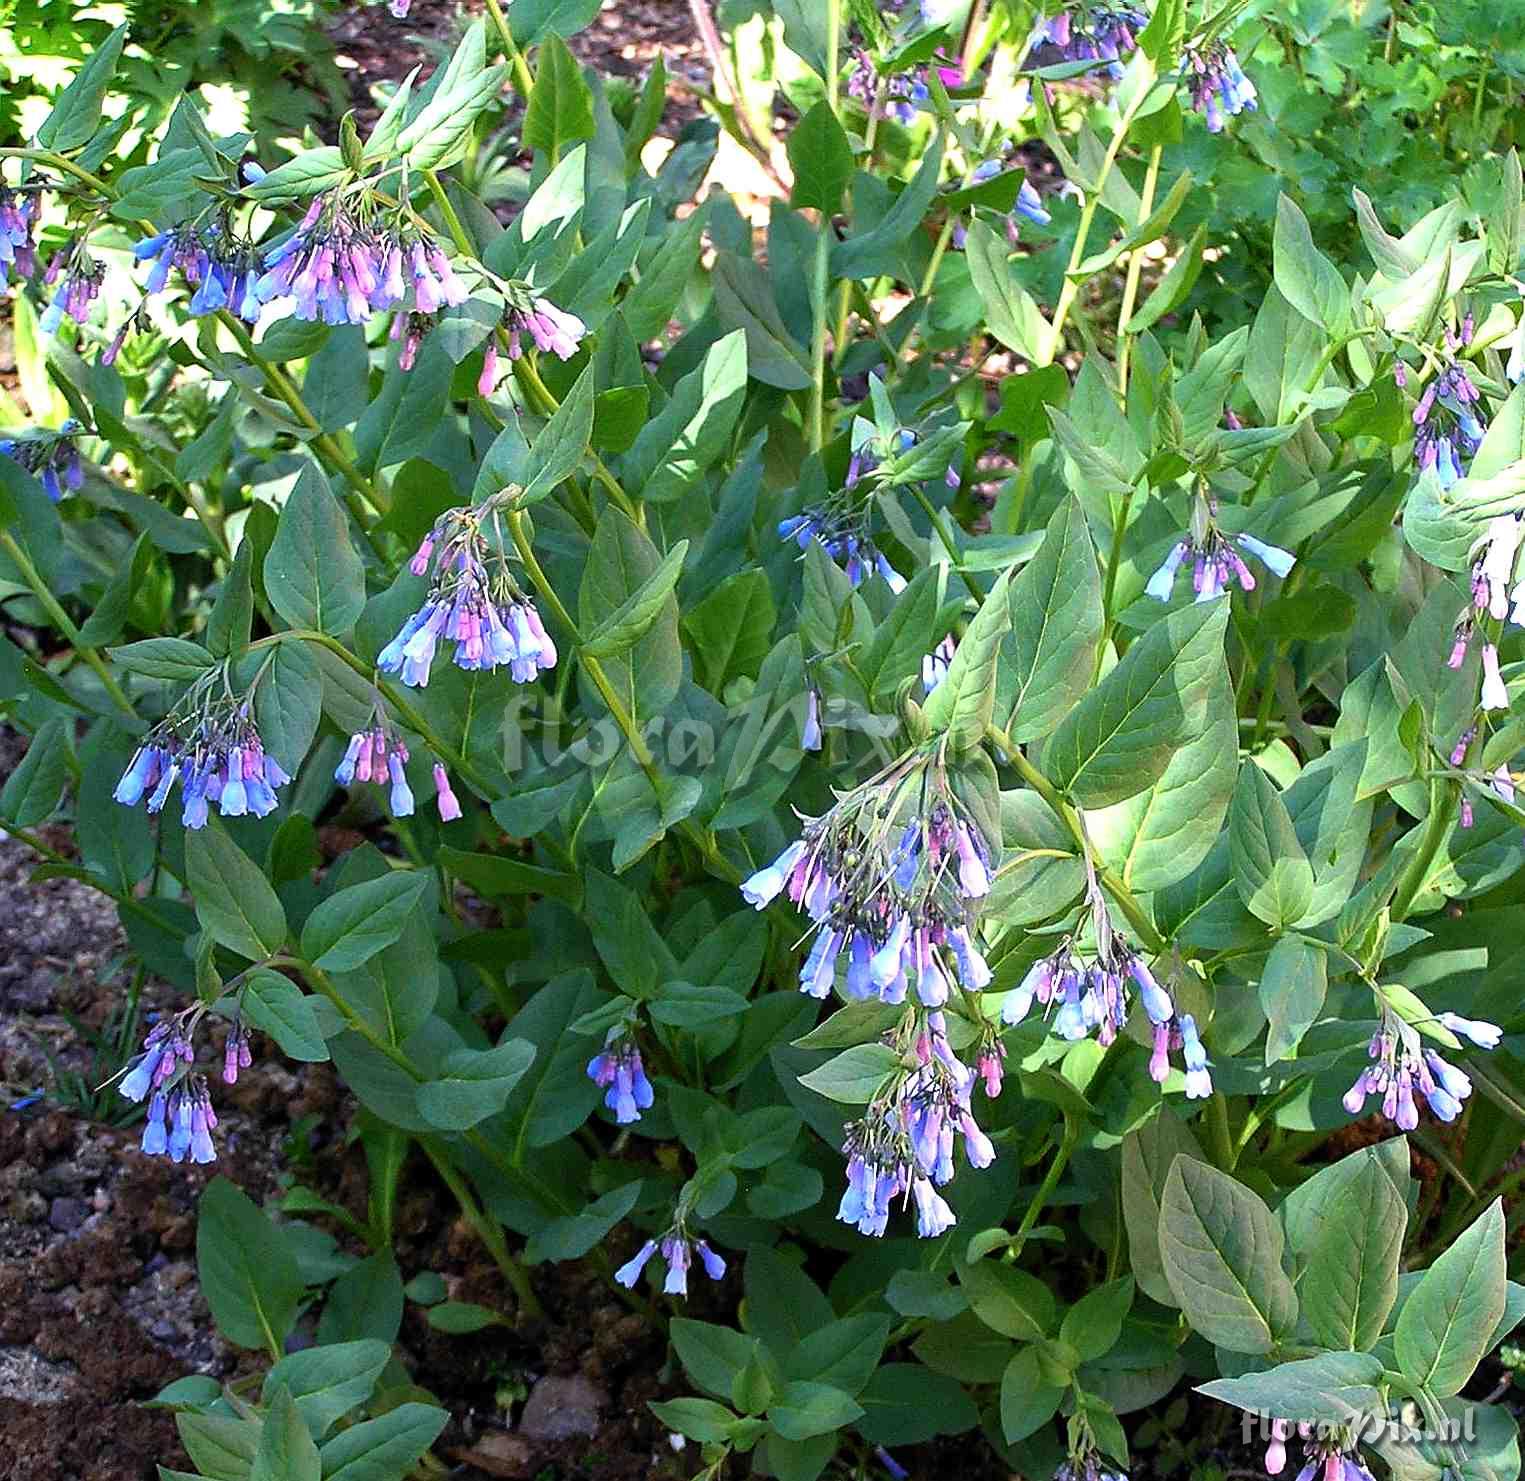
(473, 602)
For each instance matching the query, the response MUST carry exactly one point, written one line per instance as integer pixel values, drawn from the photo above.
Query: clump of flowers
(473, 601)
(79, 277)
(892, 878)
(1104, 34)
(1217, 84)
(841, 524)
(903, 1147)
(209, 744)
(18, 252)
(180, 1115)
(343, 263)
(50, 457)
(618, 1068)
(222, 271)
(1493, 589)
(379, 754)
(1447, 427)
(1326, 1457)
(1086, 1464)
(1216, 559)
(679, 1249)
(1401, 1063)
(549, 328)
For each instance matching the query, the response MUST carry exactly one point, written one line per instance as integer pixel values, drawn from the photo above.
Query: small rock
(559, 1408)
(67, 1214)
(501, 1455)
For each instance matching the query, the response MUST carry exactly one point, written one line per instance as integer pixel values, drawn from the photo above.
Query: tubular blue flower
(630, 1272)
(675, 1252)
(1484, 1035)
(1199, 1083)
(401, 794)
(1029, 206)
(933, 1216)
(714, 1264)
(810, 731)
(766, 884)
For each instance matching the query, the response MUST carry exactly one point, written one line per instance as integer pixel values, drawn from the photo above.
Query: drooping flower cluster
(79, 277)
(904, 1145)
(180, 1115)
(473, 602)
(841, 525)
(1401, 1062)
(1103, 33)
(1448, 428)
(892, 878)
(50, 457)
(678, 1251)
(1219, 89)
(1493, 589)
(210, 745)
(618, 1068)
(1081, 994)
(550, 328)
(222, 270)
(18, 252)
(340, 266)
(1087, 1465)
(1325, 1457)
(1217, 564)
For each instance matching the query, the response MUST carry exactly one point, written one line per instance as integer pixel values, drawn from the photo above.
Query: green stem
(820, 281)
(1071, 289)
(486, 1229)
(1216, 1121)
(1133, 912)
(1436, 830)
(701, 837)
(938, 518)
(1135, 272)
(363, 496)
(65, 624)
(511, 48)
(1056, 1167)
(547, 404)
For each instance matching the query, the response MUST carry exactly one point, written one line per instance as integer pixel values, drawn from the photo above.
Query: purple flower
(1217, 84)
(79, 278)
(552, 329)
(619, 1069)
(1103, 33)
(449, 803)
(1448, 430)
(18, 252)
